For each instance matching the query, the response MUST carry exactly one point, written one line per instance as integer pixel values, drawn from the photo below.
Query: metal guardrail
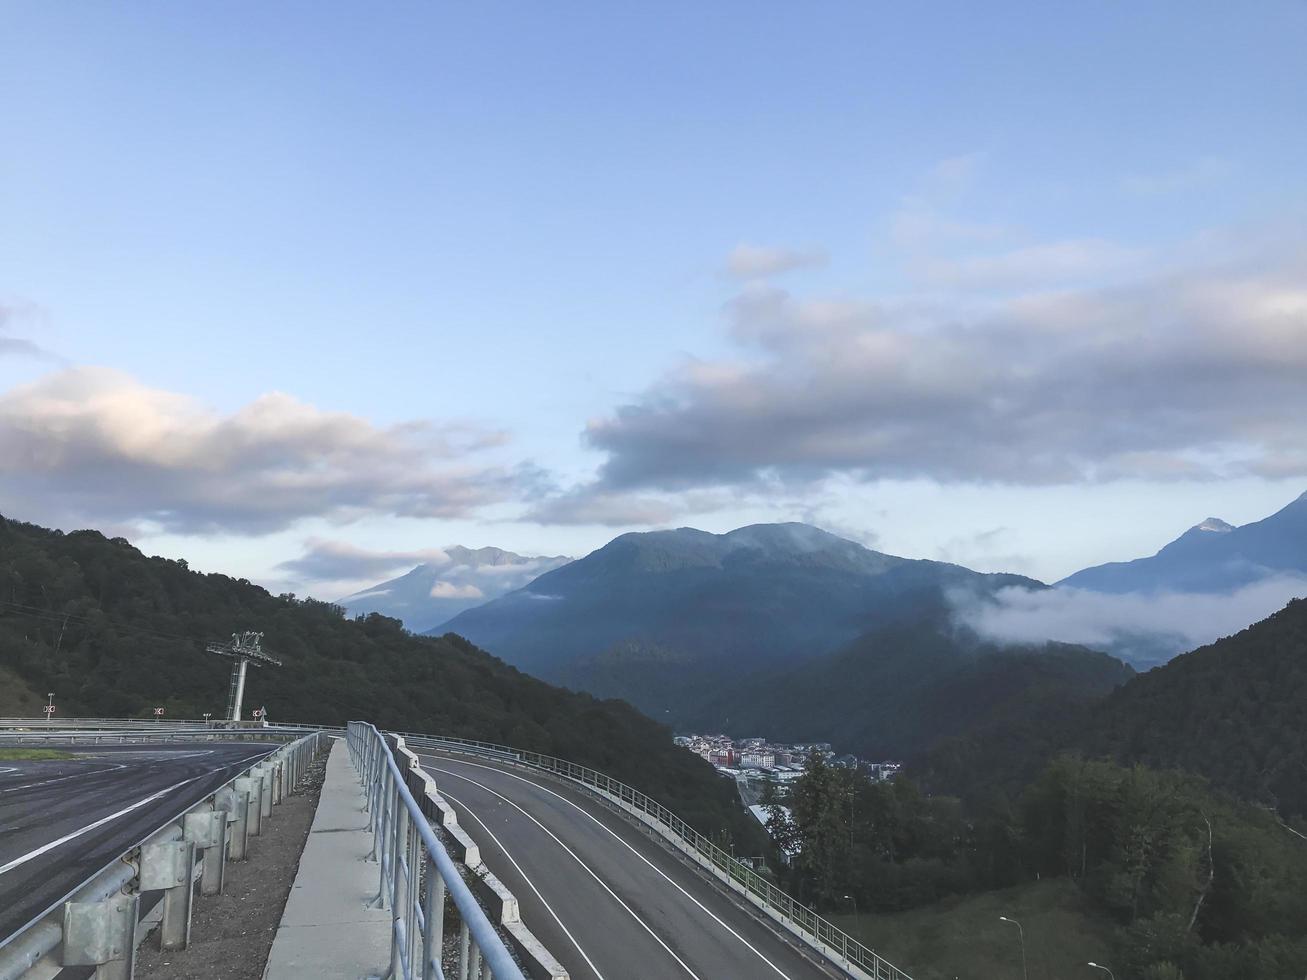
(826, 938)
(99, 922)
(416, 873)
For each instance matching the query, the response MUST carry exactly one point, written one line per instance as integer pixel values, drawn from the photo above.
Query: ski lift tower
(244, 649)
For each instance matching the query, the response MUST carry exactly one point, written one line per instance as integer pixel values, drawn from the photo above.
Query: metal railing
(98, 923)
(416, 874)
(829, 940)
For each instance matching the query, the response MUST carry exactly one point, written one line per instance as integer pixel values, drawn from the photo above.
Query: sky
(1017, 285)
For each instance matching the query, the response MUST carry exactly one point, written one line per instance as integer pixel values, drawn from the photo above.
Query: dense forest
(1174, 803)
(114, 633)
(1234, 711)
(1199, 886)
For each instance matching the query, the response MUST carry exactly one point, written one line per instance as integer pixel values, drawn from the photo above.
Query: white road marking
(91, 826)
(531, 884)
(624, 844)
(60, 779)
(5, 769)
(590, 871)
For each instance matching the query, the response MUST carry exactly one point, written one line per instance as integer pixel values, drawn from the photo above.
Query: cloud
(1130, 623)
(448, 590)
(91, 444)
(1193, 374)
(1048, 264)
(762, 262)
(1201, 173)
(18, 346)
(338, 561)
(592, 505)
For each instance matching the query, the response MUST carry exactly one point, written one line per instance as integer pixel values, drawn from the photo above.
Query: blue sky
(516, 223)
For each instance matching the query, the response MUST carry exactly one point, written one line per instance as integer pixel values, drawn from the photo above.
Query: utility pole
(244, 649)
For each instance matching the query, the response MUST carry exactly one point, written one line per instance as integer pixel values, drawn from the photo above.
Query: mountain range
(1211, 557)
(434, 592)
(664, 619)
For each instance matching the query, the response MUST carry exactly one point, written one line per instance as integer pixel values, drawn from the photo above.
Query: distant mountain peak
(435, 591)
(1214, 524)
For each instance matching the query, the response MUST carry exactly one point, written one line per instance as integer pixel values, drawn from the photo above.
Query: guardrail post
(102, 935)
(207, 830)
(256, 802)
(170, 866)
(265, 799)
(243, 788)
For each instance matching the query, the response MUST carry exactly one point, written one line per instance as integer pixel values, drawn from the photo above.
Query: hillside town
(757, 758)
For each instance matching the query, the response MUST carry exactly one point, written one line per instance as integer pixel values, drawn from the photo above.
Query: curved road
(62, 821)
(609, 902)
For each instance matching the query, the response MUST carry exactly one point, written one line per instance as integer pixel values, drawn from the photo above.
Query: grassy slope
(32, 755)
(963, 938)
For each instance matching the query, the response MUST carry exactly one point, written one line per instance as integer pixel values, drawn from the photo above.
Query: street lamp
(1021, 934)
(855, 903)
(49, 707)
(207, 715)
(1103, 968)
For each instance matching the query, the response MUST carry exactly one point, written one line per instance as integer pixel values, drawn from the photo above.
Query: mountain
(113, 633)
(434, 592)
(1211, 557)
(1234, 711)
(665, 619)
(897, 690)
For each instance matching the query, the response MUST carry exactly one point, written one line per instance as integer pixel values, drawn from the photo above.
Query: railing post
(103, 935)
(170, 866)
(433, 933)
(265, 798)
(207, 830)
(240, 828)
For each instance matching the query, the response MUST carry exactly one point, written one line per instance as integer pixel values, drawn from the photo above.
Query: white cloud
(1043, 265)
(1177, 621)
(91, 444)
(337, 561)
(1195, 374)
(762, 261)
(448, 590)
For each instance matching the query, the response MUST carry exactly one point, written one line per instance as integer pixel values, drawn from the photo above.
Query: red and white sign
(158, 711)
(48, 709)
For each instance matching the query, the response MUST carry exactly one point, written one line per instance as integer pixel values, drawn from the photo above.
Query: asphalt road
(63, 821)
(605, 899)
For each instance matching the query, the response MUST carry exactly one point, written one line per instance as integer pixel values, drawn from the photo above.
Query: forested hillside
(1234, 711)
(114, 633)
(1191, 884)
(898, 689)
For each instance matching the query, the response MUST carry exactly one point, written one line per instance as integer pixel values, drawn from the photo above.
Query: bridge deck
(608, 902)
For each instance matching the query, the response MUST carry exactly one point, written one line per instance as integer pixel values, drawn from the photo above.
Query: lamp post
(1021, 934)
(49, 707)
(855, 904)
(1103, 968)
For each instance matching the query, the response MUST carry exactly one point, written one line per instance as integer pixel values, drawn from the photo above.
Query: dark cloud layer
(1195, 376)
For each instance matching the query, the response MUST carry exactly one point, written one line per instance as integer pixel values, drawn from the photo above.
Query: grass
(32, 755)
(964, 939)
